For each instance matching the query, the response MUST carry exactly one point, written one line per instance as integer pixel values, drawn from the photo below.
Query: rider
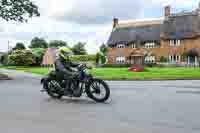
(65, 67)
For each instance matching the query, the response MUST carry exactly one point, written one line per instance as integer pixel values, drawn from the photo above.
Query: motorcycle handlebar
(84, 66)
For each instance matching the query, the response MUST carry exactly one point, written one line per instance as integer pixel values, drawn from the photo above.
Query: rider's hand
(76, 74)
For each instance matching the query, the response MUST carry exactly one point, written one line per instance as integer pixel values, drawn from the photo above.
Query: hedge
(83, 58)
(116, 65)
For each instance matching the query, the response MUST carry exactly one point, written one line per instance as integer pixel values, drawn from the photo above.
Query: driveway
(135, 107)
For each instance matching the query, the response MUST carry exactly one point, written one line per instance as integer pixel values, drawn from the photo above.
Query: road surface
(134, 107)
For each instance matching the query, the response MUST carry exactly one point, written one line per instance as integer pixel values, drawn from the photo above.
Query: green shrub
(100, 58)
(4, 59)
(150, 64)
(115, 65)
(163, 59)
(21, 58)
(83, 58)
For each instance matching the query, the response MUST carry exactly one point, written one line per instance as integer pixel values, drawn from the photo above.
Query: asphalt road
(134, 107)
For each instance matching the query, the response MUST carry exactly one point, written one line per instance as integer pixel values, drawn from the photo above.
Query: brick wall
(164, 50)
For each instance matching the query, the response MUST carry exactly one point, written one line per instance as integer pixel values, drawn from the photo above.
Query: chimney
(115, 22)
(167, 11)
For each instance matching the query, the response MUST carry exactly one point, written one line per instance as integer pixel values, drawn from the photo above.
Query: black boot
(68, 91)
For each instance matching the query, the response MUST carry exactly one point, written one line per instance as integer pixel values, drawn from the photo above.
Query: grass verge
(124, 74)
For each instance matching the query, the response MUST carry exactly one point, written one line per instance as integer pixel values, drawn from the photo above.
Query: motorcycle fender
(43, 80)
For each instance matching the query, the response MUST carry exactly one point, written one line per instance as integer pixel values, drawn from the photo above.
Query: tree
(79, 49)
(57, 43)
(100, 58)
(38, 43)
(38, 55)
(21, 58)
(104, 49)
(18, 10)
(19, 46)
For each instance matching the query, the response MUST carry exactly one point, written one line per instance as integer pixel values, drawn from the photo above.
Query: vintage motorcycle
(96, 89)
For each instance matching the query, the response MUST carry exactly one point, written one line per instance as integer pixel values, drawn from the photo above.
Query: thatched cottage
(175, 37)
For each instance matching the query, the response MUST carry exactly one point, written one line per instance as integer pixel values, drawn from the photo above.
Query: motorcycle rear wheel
(53, 90)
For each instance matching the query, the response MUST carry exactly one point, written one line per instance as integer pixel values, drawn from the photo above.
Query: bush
(4, 59)
(100, 58)
(163, 59)
(150, 64)
(83, 58)
(115, 65)
(21, 58)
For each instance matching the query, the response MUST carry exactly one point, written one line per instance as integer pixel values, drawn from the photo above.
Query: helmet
(65, 52)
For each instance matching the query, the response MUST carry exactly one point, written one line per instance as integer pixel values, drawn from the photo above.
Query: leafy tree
(19, 46)
(104, 49)
(57, 43)
(21, 58)
(18, 10)
(79, 49)
(38, 55)
(38, 43)
(97, 58)
(100, 58)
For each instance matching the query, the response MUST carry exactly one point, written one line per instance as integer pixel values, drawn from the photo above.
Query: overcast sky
(84, 20)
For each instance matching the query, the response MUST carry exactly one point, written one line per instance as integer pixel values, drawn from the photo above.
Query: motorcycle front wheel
(98, 90)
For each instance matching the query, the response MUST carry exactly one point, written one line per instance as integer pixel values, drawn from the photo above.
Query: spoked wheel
(53, 89)
(98, 90)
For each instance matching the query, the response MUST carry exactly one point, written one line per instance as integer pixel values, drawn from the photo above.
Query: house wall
(185, 46)
(164, 50)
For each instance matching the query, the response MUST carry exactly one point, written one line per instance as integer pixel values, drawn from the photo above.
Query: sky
(88, 21)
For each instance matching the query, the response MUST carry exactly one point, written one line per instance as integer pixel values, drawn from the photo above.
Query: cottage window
(174, 58)
(150, 45)
(150, 59)
(121, 46)
(133, 45)
(120, 60)
(174, 42)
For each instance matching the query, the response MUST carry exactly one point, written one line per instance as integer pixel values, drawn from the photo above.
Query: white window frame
(120, 59)
(174, 58)
(133, 45)
(121, 46)
(150, 59)
(150, 45)
(174, 42)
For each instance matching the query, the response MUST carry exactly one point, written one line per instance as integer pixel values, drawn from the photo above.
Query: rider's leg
(68, 88)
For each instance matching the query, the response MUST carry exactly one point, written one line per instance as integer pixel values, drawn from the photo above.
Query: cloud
(103, 11)
(94, 11)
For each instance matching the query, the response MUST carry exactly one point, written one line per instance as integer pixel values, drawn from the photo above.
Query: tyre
(98, 90)
(53, 89)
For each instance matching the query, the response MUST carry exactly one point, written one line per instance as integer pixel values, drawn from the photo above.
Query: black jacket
(65, 67)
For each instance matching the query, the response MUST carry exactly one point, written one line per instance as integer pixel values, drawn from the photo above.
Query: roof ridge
(139, 24)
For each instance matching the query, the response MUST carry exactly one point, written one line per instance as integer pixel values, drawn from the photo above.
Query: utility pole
(7, 52)
(8, 46)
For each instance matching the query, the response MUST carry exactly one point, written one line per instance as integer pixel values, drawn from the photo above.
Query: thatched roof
(181, 26)
(177, 26)
(128, 34)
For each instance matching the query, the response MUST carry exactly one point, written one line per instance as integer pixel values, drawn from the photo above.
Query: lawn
(123, 74)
